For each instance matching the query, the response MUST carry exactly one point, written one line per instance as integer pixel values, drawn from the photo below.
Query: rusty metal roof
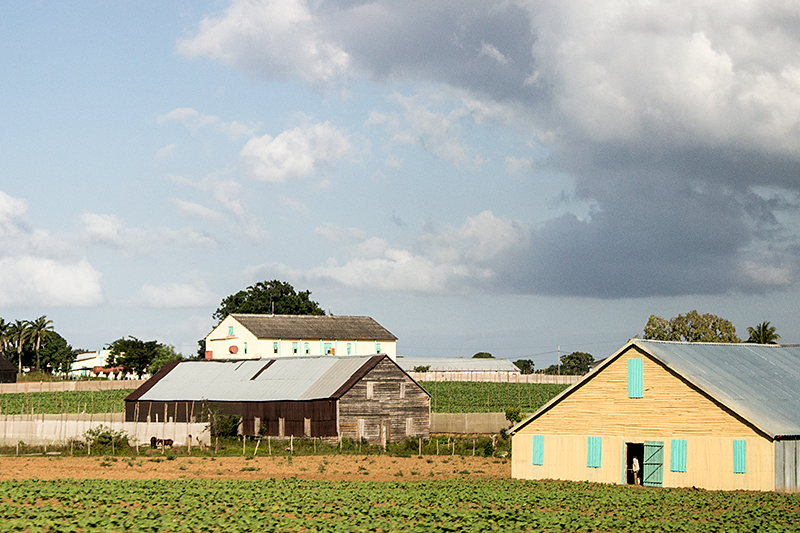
(326, 327)
(255, 380)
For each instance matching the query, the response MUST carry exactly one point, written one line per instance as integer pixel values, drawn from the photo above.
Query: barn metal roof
(758, 382)
(456, 364)
(327, 327)
(255, 380)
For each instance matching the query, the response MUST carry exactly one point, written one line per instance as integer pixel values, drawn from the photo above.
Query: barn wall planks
(385, 415)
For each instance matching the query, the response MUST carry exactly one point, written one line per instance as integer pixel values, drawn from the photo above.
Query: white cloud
(166, 152)
(276, 37)
(195, 121)
(109, 230)
(196, 210)
(12, 211)
(28, 281)
(334, 233)
(176, 295)
(295, 153)
(488, 50)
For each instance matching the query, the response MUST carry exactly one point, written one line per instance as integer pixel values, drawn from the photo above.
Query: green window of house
(328, 349)
(275, 347)
(230, 331)
(378, 348)
(677, 455)
(739, 457)
(635, 378)
(294, 348)
(349, 347)
(305, 349)
(594, 455)
(538, 449)
(245, 348)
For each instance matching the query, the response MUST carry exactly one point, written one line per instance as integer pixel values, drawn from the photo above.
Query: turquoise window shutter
(538, 449)
(677, 455)
(594, 456)
(635, 378)
(739, 457)
(230, 331)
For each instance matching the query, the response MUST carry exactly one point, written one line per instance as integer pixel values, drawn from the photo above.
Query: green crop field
(488, 397)
(446, 397)
(64, 402)
(431, 506)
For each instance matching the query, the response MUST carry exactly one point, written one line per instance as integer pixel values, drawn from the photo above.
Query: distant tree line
(696, 327)
(35, 344)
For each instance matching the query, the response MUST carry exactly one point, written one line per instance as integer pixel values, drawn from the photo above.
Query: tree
(18, 335)
(57, 354)
(691, 327)
(267, 297)
(164, 354)
(576, 363)
(132, 354)
(5, 336)
(37, 332)
(483, 355)
(525, 366)
(763, 334)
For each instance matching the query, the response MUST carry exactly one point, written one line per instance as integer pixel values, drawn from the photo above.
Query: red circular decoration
(233, 349)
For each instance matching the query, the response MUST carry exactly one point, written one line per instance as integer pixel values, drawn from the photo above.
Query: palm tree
(37, 332)
(763, 334)
(5, 330)
(18, 335)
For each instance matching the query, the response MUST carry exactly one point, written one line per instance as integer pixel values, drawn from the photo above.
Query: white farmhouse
(248, 336)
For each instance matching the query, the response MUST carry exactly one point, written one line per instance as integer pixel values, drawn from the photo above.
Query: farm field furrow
(313, 505)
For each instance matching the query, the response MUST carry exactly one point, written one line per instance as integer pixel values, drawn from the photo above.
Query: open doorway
(634, 458)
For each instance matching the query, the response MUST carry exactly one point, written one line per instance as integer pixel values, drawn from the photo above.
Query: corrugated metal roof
(457, 364)
(314, 327)
(286, 378)
(759, 382)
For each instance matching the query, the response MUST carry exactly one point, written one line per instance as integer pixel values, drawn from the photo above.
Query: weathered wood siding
(669, 409)
(385, 408)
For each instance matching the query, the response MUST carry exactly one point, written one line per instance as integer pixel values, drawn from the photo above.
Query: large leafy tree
(691, 327)
(267, 297)
(572, 364)
(164, 354)
(5, 336)
(132, 354)
(483, 355)
(525, 366)
(763, 334)
(56, 353)
(38, 330)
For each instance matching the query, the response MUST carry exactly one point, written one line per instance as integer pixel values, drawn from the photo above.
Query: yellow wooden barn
(673, 414)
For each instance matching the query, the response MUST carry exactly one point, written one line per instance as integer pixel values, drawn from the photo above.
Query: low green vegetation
(328, 506)
(90, 402)
(488, 397)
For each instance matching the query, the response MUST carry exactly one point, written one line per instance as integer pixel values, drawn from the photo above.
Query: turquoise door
(653, 467)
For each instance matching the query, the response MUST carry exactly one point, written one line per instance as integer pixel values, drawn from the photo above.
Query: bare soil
(322, 467)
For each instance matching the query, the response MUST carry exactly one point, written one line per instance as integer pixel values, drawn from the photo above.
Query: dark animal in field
(153, 442)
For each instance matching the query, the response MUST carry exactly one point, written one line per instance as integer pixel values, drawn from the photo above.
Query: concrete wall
(501, 377)
(61, 386)
(468, 422)
(59, 429)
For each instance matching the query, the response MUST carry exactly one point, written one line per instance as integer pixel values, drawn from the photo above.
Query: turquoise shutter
(230, 331)
(635, 378)
(677, 455)
(739, 457)
(538, 449)
(594, 455)
(653, 464)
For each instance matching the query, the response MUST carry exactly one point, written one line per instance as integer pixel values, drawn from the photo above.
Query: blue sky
(504, 176)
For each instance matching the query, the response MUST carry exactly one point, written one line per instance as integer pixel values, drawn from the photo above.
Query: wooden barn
(354, 397)
(671, 414)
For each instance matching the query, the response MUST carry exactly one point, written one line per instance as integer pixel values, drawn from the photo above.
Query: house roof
(457, 364)
(6, 365)
(758, 382)
(256, 380)
(314, 327)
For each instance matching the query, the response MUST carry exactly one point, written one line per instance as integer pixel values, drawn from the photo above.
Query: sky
(525, 178)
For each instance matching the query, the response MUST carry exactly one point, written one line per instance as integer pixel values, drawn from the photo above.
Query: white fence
(498, 377)
(39, 429)
(61, 386)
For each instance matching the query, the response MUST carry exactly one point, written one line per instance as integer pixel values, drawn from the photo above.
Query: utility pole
(558, 362)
